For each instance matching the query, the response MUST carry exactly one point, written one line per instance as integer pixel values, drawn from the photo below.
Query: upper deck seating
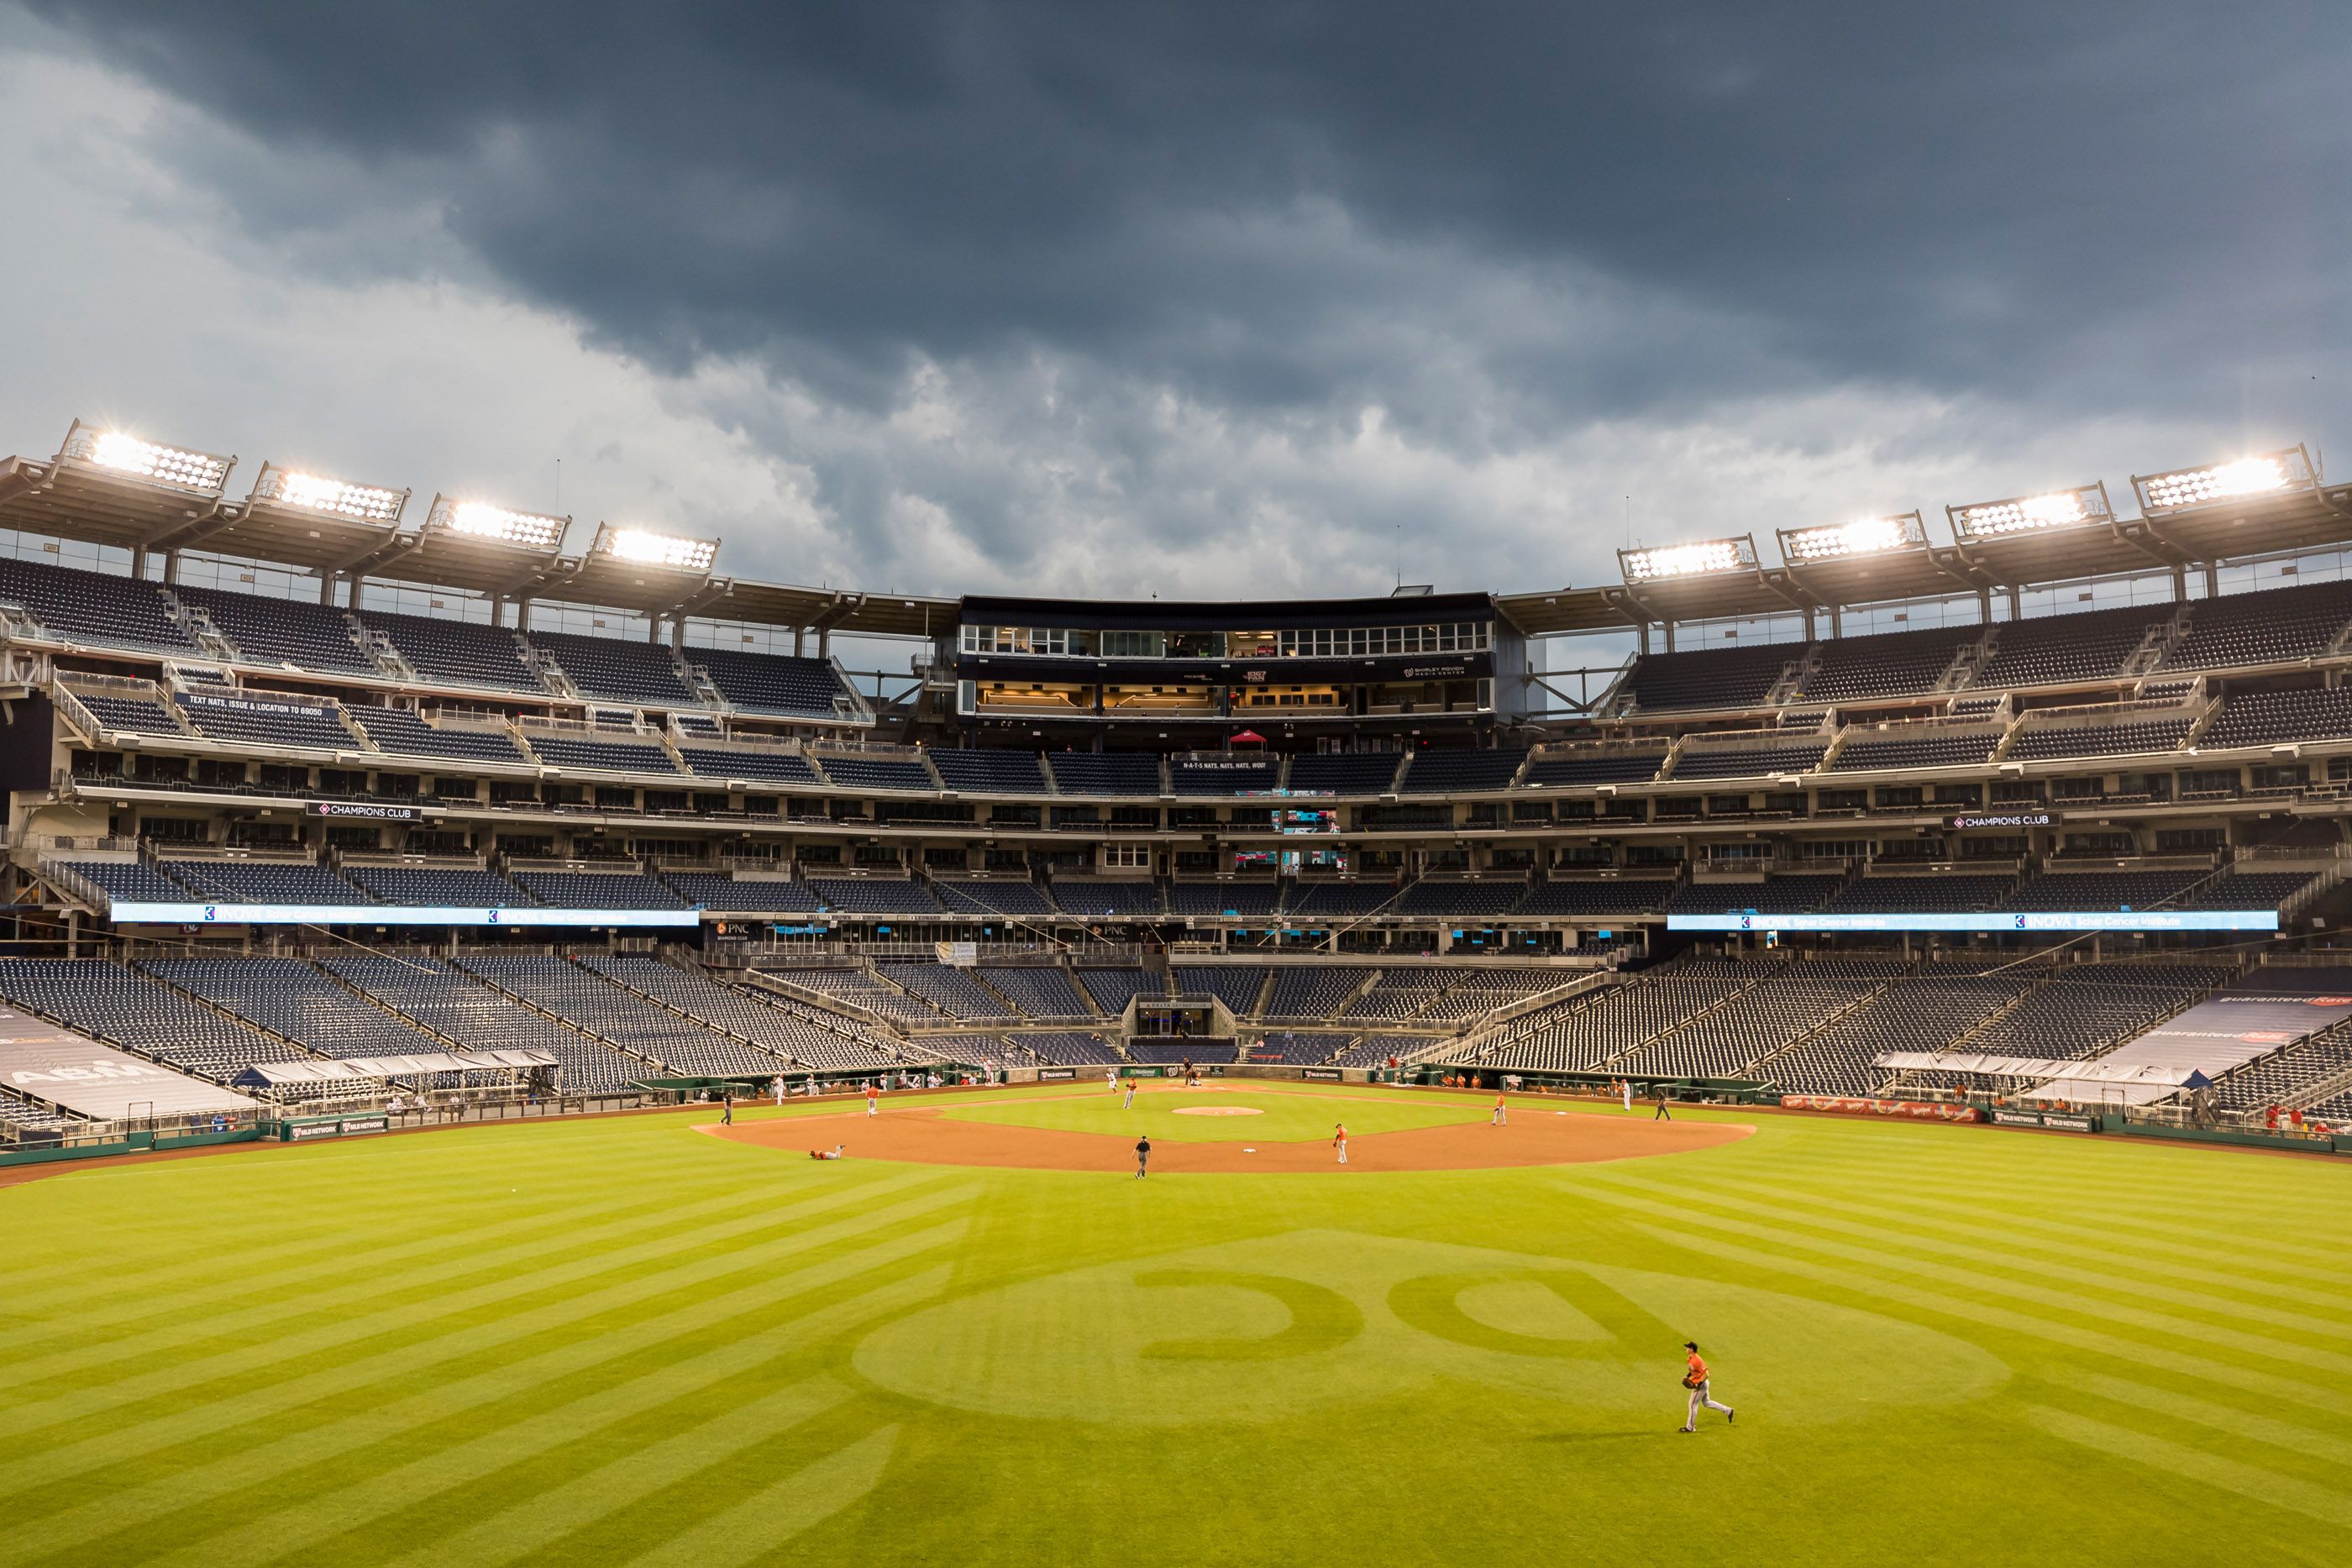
(875, 896)
(456, 653)
(1748, 762)
(2268, 718)
(1107, 895)
(785, 685)
(1709, 677)
(2053, 650)
(1584, 770)
(990, 772)
(2275, 625)
(1885, 664)
(1444, 772)
(878, 773)
(1345, 772)
(601, 755)
(617, 668)
(2037, 742)
(94, 609)
(140, 715)
(598, 889)
(430, 887)
(1105, 772)
(311, 636)
(998, 896)
(1238, 897)
(762, 766)
(1967, 749)
(132, 882)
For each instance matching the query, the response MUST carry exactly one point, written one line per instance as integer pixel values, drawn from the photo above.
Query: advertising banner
(2031, 920)
(1905, 1110)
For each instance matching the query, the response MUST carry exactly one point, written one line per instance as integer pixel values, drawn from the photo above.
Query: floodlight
(2264, 474)
(2031, 514)
(177, 466)
(1865, 536)
(1699, 559)
(479, 519)
(310, 492)
(645, 548)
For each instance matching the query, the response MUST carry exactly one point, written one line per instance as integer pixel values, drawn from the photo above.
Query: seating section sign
(42, 1062)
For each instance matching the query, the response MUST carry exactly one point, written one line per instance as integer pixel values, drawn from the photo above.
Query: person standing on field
(1130, 1101)
(1501, 1118)
(1625, 1088)
(1340, 1140)
(1663, 1114)
(872, 1100)
(1142, 1157)
(1110, 1079)
(1694, 1378)
(726, 1113)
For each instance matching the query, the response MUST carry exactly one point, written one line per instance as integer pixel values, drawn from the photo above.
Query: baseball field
(646, 1339)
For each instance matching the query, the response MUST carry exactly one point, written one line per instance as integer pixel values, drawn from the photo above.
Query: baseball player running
(1694, 1378)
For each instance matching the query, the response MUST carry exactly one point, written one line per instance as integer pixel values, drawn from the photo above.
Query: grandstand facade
(248, 829)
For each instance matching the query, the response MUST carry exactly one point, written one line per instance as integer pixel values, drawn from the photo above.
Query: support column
(1837, 621)
(1668, 627)
(2016, 609)
(1984, 606)
(653, 629)
(2213, 581)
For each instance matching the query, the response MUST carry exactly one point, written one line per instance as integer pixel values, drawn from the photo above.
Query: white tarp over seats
(2102, 1071)
(42, 1062)
(346, 1070)
(2267, 1011)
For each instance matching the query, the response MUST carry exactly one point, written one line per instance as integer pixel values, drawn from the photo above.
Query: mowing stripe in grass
(2037, 1236)
(597, 1494)
(1886, 1254)
(780, 1511)
(2246, 1423)
(269, 1464)
(2116, 1278)
(2264, 1486)
(182, 1423)
(1979, 1314)
(246, 1540)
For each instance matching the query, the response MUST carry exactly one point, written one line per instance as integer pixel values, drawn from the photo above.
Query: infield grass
(621, 1340)
(1273, 1115)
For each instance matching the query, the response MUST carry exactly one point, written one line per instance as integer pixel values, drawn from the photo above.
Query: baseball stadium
(524, 1047)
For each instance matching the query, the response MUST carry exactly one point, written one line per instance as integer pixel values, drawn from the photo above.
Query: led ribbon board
(388, 915)
(2029, 921)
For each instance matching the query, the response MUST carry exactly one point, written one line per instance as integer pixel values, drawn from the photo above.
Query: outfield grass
(624, 1341)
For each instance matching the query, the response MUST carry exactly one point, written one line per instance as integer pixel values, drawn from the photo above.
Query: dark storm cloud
(1302, 207)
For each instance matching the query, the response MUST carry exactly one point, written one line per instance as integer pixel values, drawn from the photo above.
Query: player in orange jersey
(1694, 1378)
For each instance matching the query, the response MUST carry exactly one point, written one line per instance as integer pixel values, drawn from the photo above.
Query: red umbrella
(1248, 737)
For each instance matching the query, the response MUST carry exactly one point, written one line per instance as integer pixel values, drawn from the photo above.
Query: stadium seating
(1234, 776)
(1929, 1010)
(779, 684)
(288, 996)
(1889, 664)
(123, 1008)
(402, 733)
(453, 1005)
(1329, 900)
(1445, 772)
(772, 1024)
(1235, 897)
(619, 669)
(310, 636)
(1934, 748)
(1938, 895)
(598, 889)
(1105, 896)
(1460, 900)
(596, 1007)
(858, 988)
(1759, 1021)
(2110, 890)
(1236, 985)
(1065, 1049)
(1112, 990)
(456, 653)
(873, 896)
(1747, 761)
(1573, 770)
(2267, 718)
(750, 895)
(1345, 772)
(1104, 772)
(2275, 626)
(268, 721)
(878, 773)
(744, 763)
(138, 714)
(2038, 742)
(993, 896)
(263, 882)
(1571, 896)
(952, 990)
(1708, 677)
(570, 752)
(2056, 649)
(1315, 992)
(132, 881)
(1797, 894)
(96, 610)
(1040, 993)
(430, 887)
(990, 772)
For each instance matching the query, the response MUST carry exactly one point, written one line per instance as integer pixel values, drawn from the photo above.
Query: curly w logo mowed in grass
(1261, 1330)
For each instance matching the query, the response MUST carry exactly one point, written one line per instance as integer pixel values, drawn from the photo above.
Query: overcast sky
(1203, 299)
